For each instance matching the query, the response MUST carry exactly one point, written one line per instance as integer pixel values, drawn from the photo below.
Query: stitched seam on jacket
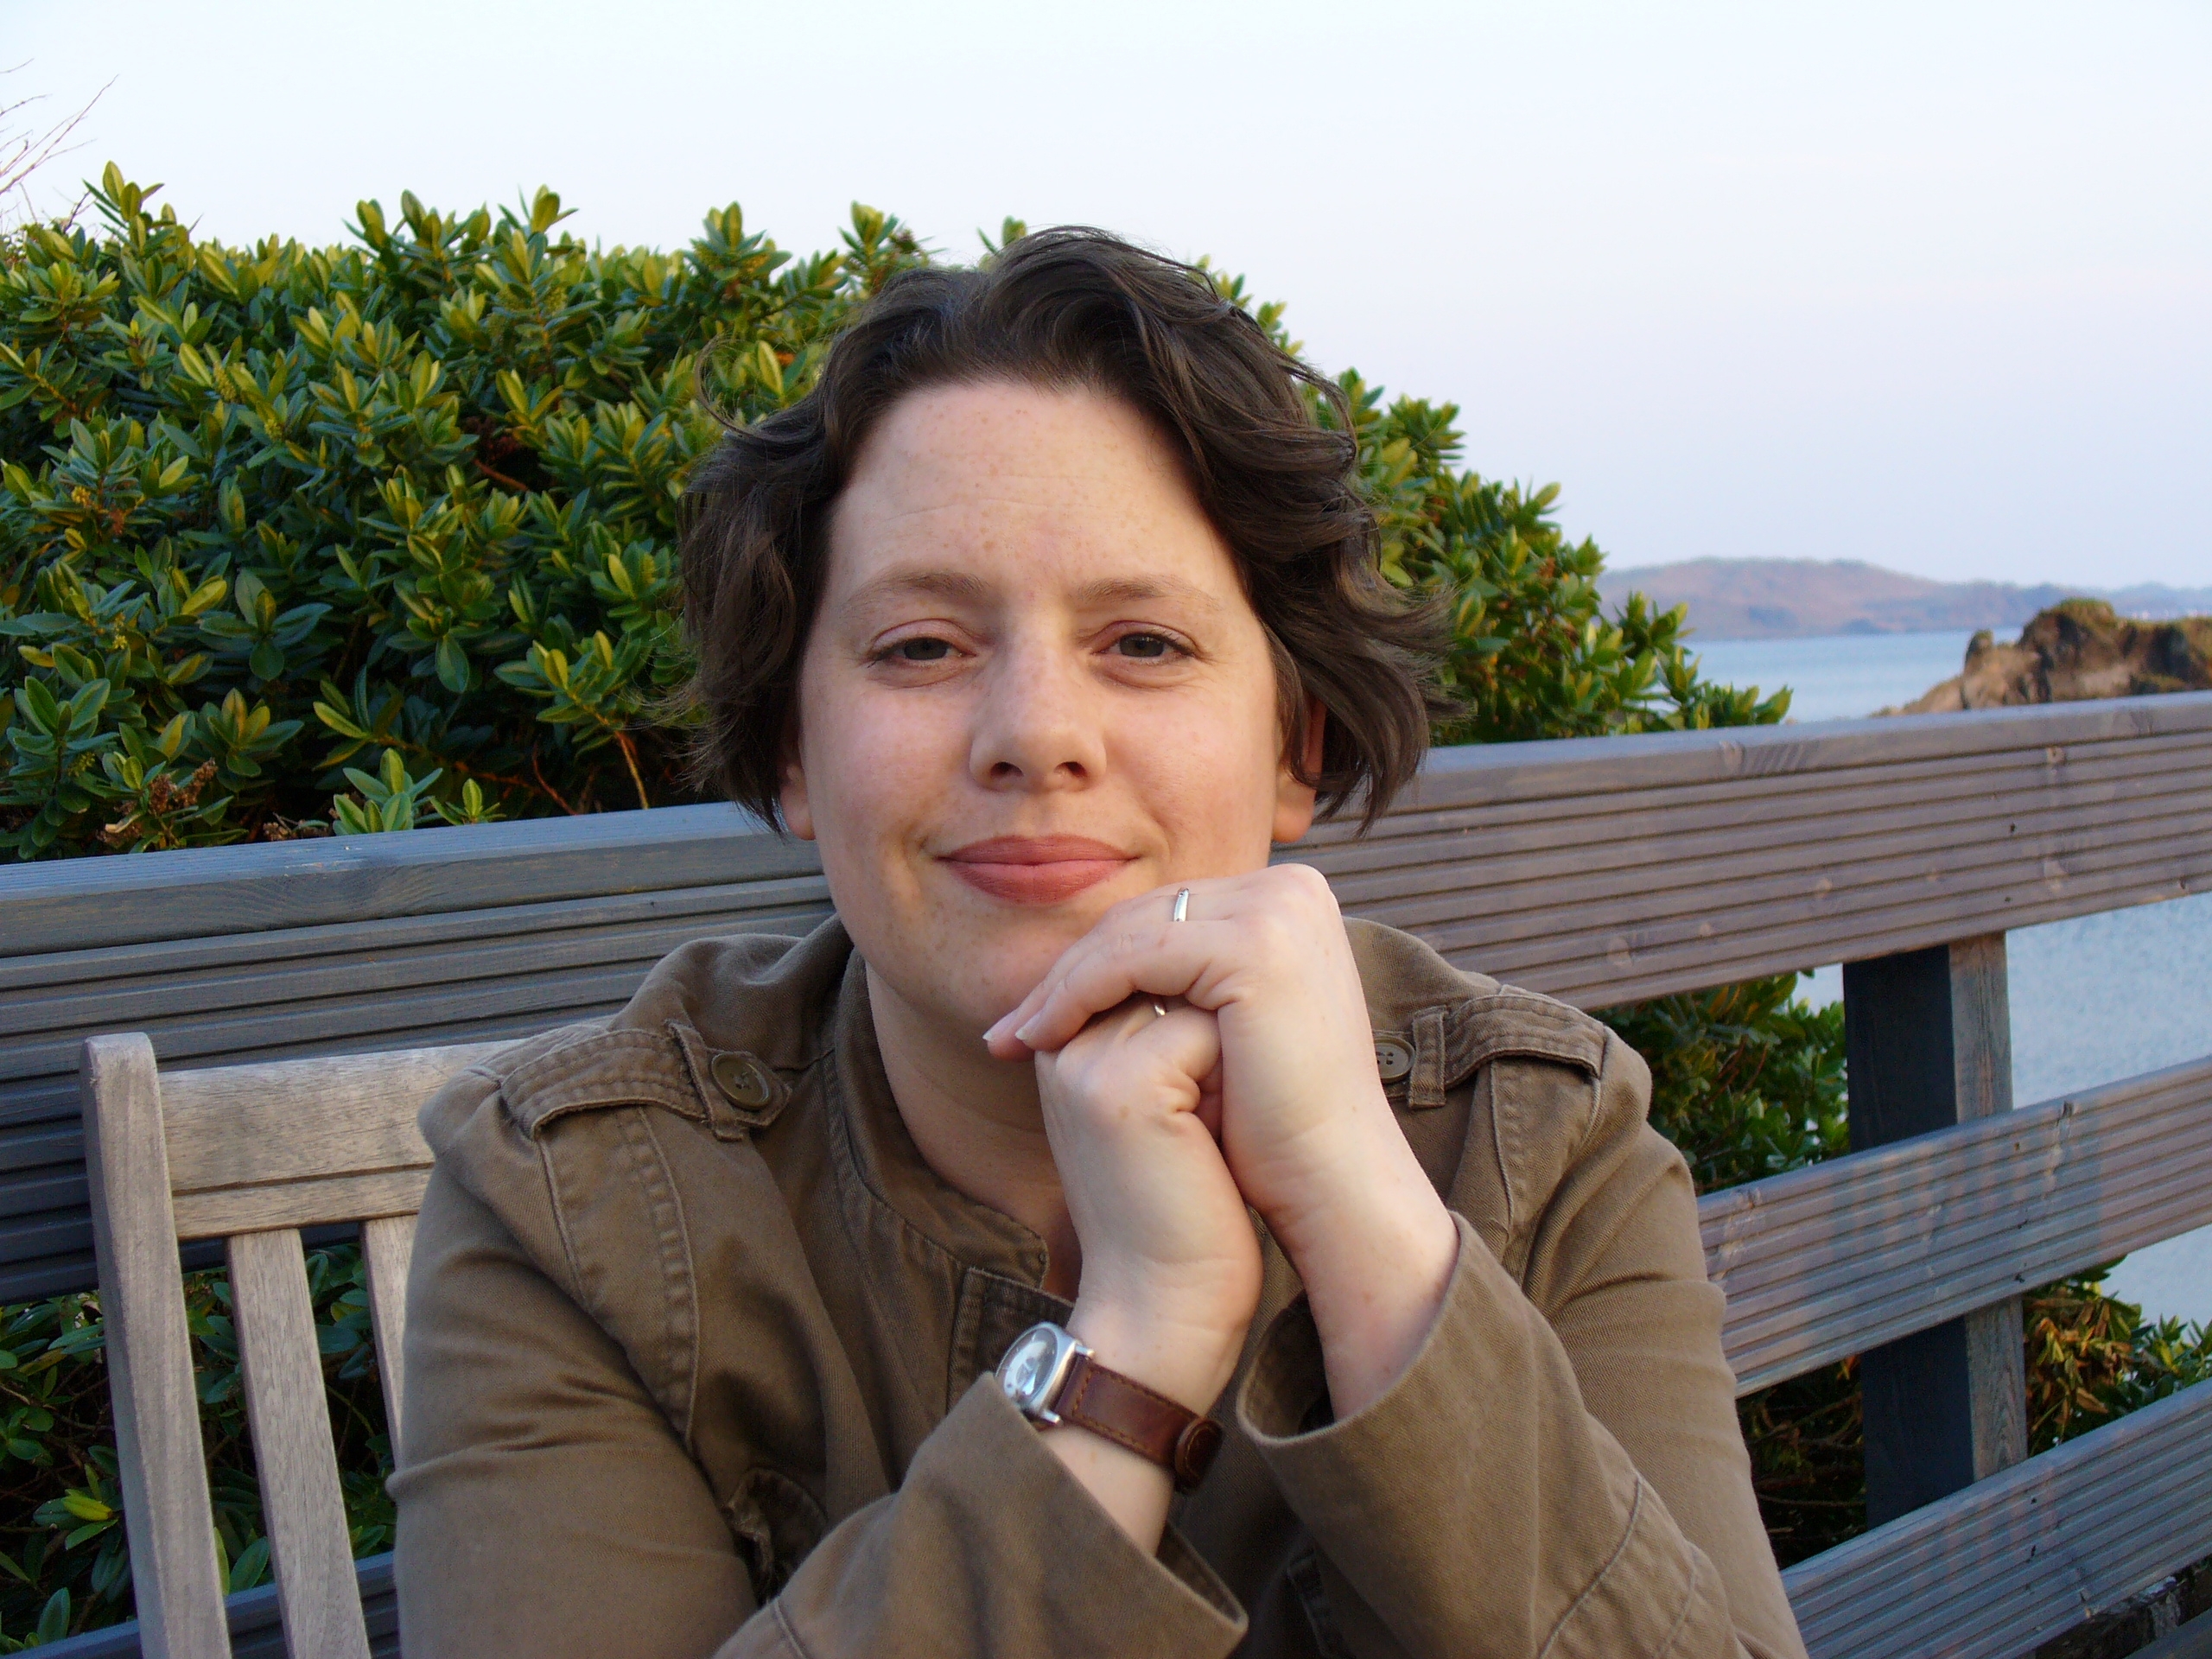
(561, 1224)
(1635, 1513)
(1597, 1103)
(1682, 1618)
(848, 1168)
(1563, 1035)
(1497, 1149)
(666, 1217)
(689, 1299)
(790, 1635)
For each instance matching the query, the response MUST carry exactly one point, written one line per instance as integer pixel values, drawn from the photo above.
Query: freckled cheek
(880, 766)
(1207, 775)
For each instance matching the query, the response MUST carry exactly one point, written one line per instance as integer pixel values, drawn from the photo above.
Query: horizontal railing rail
(1825, 1262)
(2009, 1563)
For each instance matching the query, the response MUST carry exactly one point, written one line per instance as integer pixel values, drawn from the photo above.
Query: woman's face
(1034, 687)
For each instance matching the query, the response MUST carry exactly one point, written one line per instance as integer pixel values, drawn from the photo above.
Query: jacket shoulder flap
(1538, 1063)
(1495, 1024)
(671, 1067)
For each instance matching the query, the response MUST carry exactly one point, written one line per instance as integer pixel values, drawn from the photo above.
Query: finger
(1185, 1040)
(1188, 1039)
(1162, 961)
(1154, 907)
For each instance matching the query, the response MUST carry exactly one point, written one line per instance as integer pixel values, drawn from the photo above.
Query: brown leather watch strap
(1128, 1413)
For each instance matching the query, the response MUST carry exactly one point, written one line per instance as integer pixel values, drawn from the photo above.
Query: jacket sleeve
(546, 1508)
(1560, 1470)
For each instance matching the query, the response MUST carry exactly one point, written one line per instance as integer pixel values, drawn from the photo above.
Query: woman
(874, 1293)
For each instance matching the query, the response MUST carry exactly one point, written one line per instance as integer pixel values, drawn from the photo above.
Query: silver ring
(1160, 1008)
(1182, 906)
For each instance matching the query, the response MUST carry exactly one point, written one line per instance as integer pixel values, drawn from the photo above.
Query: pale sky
(1927, 284)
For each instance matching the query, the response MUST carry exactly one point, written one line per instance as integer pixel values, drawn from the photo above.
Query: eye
(923, 650)
(1146, 647)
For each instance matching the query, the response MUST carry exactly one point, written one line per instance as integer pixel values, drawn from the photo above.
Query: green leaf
(453, 665)
(251, 1566)
(339, 722)
(39, 706)
(86, 1507)
(53, 1620)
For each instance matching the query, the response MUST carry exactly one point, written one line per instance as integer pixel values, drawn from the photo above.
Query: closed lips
(1036, 870)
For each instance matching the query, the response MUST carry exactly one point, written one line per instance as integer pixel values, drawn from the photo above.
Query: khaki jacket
(698, 1360)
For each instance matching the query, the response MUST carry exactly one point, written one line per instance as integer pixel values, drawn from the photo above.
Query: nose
(1037, 725)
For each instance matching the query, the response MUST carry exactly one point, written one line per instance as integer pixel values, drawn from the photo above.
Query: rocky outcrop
(2076, 650)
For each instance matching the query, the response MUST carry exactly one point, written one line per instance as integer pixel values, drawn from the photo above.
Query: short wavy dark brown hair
(1069, 309)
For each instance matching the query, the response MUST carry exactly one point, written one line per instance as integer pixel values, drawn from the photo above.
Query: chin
(1002, 965)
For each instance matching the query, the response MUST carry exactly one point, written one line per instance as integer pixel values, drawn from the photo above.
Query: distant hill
(1780, 599)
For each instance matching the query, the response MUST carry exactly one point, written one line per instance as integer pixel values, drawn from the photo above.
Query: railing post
(1928, 1035)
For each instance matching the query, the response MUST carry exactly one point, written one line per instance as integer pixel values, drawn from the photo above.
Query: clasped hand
(1259, 1088)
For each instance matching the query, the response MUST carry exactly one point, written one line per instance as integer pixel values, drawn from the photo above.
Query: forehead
(1007, 478)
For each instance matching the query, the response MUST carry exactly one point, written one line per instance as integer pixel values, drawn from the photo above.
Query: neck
(977, 1123)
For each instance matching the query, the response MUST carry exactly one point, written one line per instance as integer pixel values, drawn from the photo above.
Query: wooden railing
(1602, 871)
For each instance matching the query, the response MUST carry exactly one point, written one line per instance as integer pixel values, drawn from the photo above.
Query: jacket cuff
(991, 1545)
(1479, 1450)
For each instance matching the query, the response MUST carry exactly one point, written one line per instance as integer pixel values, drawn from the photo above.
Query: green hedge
(294, 537)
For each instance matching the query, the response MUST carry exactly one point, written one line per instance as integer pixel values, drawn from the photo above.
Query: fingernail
(1021, 1031)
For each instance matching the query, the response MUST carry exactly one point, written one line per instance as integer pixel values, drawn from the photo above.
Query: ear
(799, 816)
(1293, 799)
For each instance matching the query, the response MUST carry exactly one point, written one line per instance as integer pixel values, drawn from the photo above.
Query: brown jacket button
(1393, 1058)
(743, 1079)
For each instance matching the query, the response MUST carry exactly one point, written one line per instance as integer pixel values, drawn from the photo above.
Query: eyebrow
(960, 588)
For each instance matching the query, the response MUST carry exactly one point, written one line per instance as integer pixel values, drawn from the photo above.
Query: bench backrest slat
(387, 1246)
(302, 1509)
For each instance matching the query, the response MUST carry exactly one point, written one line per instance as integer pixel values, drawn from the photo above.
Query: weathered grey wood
(1828, 1262)
(387, 1246)
(301, 1506)
(333, 1138)
(1995, 1570)
(288, 884)
(300, 1142)
(1928, 1035)
(329, 1202)
(167, 1513)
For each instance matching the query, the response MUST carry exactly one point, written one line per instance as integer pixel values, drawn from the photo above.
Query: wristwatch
(1052, 1379)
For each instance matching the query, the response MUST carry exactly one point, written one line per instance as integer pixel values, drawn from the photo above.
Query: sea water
(1839, 677)
(2095, 999)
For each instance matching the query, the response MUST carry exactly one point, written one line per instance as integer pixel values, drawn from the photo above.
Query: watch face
(1027, 1367)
